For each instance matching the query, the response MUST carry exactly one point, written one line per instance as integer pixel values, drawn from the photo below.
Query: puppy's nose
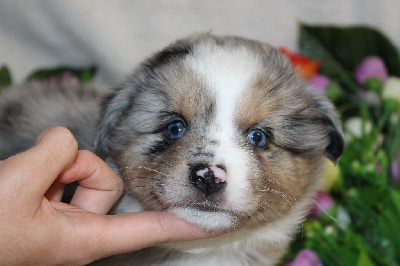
(208, 179)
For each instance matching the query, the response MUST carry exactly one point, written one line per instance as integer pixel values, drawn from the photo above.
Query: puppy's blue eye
(175, 130)
(257, 137)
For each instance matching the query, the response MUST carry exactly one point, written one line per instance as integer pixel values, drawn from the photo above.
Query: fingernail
(40, 137)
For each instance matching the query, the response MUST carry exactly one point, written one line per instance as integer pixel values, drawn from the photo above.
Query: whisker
(272, 208)
(168, 163)
(151, 170)
(262, 216)
(283, 186)
(283, 195)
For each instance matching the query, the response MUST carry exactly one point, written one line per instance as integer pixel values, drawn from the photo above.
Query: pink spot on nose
(219, 173)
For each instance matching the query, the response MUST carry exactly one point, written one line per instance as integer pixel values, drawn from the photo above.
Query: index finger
(34, 170)
(117, 234)
(99, 186)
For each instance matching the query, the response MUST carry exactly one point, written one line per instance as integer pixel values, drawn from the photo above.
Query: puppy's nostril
(208, 179)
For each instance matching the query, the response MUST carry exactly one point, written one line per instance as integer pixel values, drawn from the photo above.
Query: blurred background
(356, 215)
(116, 35)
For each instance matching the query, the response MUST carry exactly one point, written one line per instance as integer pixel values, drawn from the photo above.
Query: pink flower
(63, 77)
(395, 171)
(323, 203)
(378, 168)
(371, 67)
(306, 257)
(319, 83)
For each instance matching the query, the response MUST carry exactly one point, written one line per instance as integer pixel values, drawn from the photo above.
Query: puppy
(217, 130)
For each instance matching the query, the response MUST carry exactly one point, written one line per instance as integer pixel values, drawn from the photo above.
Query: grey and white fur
(217, 130)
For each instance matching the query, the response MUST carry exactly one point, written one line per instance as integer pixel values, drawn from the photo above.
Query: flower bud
(333, 91)
(391, 89)
(319, 83)
(371, 67)
(65, 77)
(374, 84)
(395, 171)
(354, 128)
(324, 202)
(306, 257)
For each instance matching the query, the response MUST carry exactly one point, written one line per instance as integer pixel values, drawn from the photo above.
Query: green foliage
(85, 75)
(341, 50)
(369, 201)
(5, 77)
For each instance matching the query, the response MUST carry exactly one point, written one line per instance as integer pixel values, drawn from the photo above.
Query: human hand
(36, 228)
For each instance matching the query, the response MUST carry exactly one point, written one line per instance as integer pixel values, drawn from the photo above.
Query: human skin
(36, 228)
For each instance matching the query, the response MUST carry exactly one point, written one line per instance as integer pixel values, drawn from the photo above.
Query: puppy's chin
(209, 220)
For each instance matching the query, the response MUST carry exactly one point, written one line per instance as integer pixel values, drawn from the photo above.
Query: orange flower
(306, 67)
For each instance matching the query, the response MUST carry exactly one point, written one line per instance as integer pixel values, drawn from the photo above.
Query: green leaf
(312, 47)
(395, 196)
(83, 74)
(348, 249)
(369, 195)
(341, 49)
(348, 46)
(5, 77)
(364, 260)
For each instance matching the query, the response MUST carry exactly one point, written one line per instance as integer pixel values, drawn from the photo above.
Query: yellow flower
(332, 178)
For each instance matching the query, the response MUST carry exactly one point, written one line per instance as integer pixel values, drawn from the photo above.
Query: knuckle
(163, 227)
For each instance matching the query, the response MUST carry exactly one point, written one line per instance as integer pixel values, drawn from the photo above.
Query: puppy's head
(220, 131)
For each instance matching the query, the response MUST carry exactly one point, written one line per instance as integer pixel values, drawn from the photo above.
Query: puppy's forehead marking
(227, 72)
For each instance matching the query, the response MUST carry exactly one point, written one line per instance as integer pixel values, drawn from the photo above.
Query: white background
(116, 35)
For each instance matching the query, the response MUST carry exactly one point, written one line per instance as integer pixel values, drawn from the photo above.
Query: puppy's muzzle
(208, 179)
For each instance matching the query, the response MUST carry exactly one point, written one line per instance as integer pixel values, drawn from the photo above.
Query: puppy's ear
(334, 129)
(112, 108)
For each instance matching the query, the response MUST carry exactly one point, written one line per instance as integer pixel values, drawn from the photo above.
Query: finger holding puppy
(99, 186)
(32, 225)
(30, 174)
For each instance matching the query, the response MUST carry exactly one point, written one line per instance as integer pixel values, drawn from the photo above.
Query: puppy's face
(219, 131)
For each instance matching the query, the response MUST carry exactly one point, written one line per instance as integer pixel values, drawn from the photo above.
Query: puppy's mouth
(198, 199)
(206, 205)
(205, 211)
(209, 220)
